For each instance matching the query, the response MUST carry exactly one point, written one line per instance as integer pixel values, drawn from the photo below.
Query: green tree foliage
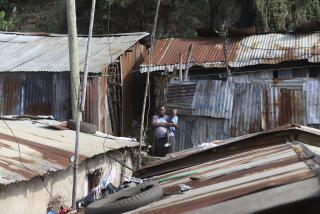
(287, 15)
(178, 18)
(7, 15)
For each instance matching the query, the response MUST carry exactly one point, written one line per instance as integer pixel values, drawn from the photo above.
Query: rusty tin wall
(49, 94)
(180, 96)
(246, 112)
(96, 108)
(255, 107)
(282, 106)
(128, 61)
(35, 93)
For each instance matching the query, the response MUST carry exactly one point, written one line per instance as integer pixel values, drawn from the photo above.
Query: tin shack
(274, 81)
(35, 80)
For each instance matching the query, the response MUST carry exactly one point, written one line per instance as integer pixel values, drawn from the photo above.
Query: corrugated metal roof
(24, 52)
(224, 175)
(45, 150)
(245, 51)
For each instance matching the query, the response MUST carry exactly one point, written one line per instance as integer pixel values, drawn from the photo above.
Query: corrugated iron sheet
(24, 52)
(282, 106)
(184, 134)
(245, 51)
(37, 93)
(45, 150)
(312, 89)
(246, 113)
(256, 76)
(213, 99)
(224, 175)
(253, 107)
(180, 96)
(128, 62)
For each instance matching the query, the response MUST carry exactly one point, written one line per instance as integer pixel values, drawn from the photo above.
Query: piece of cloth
(109, 178)
(64, 210)
(97, 192)
(173, 120)
(161, 131)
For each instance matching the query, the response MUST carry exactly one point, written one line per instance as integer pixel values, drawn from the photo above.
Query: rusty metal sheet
(213, 99)
(180, 96)
(246, 114)
(130, 103)
(282, 106)
(45, 150)
(255, 106)
(244, 51)
(224, 178)
(227, 147)
(37, 93)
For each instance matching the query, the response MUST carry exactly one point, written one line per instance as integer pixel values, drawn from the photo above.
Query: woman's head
(162, 110)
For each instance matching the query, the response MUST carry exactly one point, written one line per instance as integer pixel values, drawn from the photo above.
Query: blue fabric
(173, 120)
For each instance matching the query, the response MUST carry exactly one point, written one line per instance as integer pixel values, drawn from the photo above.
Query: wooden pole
(180, 68)
(153, 35)
(88, 51)
(80, 109)
(186, 78)
(73, 55)
(225, 48)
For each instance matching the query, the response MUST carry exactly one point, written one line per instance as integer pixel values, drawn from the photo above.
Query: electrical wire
(108, 29)
(104, 107)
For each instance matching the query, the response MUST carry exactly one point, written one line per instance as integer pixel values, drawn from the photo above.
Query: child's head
(174, 112)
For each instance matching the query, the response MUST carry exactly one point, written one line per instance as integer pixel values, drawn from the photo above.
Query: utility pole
(153, 35)
(73, 55)
(80, 107)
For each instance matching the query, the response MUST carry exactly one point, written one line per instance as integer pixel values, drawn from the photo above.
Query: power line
(104, 107)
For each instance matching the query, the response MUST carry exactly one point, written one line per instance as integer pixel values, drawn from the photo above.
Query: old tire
(84, 127)
(127, 199)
